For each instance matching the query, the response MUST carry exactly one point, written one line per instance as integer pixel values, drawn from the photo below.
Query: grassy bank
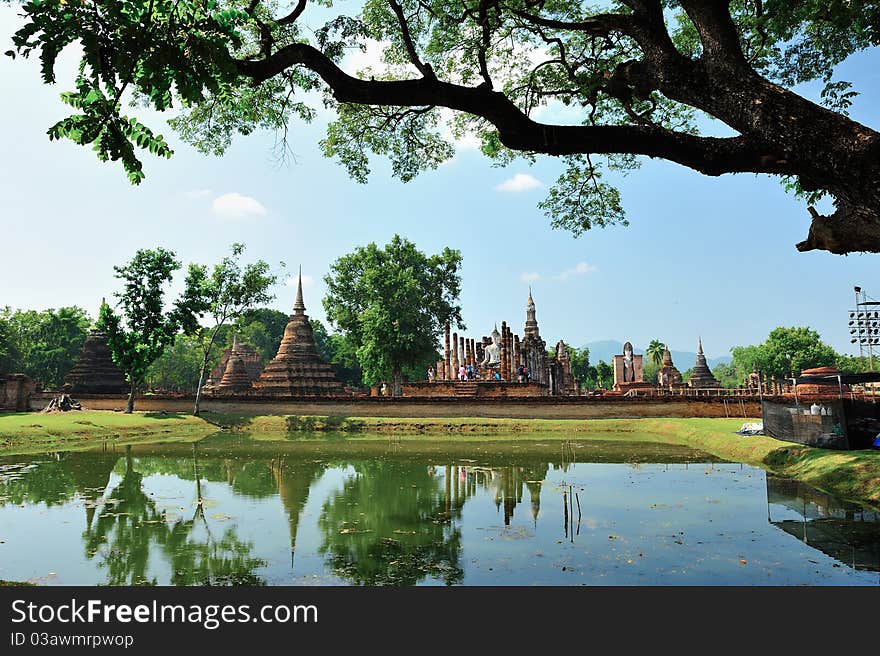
(853, 475)
(37, 433)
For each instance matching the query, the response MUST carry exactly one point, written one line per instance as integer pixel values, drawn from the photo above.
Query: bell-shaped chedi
(702, 377)
(297, 369)
(249, 357)
(94, 371)
(235, 377)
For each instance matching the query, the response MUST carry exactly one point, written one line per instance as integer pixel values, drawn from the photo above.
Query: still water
(232, 510)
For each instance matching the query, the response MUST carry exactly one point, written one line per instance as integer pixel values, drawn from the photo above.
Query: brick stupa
(236, 377)
(668, 375)
(94, 371)
(702, 377)
(249, 358)
(297, 370)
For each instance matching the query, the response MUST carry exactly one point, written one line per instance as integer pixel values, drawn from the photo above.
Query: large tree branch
(717, 31)
(711, 156)
(424, 69)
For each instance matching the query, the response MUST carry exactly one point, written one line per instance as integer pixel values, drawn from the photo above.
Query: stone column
(462, 358)
(468, 355)
(454, 371)
(517, 356)
(505, 361)
(447, 356)
(440, 374)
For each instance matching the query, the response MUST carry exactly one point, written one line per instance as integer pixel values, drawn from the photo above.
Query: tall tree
(262, 328)
(655, 351)
(639, 72)
(222, 294)
(391, 304)
(785, 353)
(604, 374)
(42, 344)
(144, 328)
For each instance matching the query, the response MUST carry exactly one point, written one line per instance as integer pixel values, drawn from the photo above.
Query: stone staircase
(464, 388)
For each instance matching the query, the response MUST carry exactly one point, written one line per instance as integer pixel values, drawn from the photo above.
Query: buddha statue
(628, 370)
(493, 351)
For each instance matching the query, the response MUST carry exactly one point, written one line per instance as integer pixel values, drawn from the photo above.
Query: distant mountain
(683, 360)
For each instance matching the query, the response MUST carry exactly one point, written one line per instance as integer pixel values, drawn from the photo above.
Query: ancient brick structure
(533, 349)
(94, 371)
(702, 377)
(15, 392)
(249, 357)
(236, 378)
(563, 382)
(823, 383)
(297, 370)
(668, 376)
(628, 371)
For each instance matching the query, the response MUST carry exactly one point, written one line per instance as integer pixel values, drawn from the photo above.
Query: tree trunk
(197, 408)
(207, 352)
(129, 407)
(396, 381)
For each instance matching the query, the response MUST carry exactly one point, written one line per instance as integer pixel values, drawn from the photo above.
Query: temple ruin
(251, 367)
(94, 371)
(702, 377)
(668, 376)
(297, 369)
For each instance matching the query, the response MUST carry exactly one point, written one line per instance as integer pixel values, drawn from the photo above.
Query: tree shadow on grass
(316, 423)
(221, 420)
(163, 414)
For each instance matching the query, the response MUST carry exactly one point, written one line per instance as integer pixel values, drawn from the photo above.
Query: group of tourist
(470, 372)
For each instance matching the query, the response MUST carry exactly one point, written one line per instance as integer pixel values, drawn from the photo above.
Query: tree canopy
(785, 353)
(639, 75)
(42, 344)
(391, 304)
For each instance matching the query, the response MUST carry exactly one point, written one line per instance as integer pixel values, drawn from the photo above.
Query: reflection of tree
(42, 480)
(130, 526)
(391, 524)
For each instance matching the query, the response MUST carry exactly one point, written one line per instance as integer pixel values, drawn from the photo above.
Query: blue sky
(710, 257)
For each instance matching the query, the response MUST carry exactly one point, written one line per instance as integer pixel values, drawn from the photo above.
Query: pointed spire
(700, 351)
(235, 346)
(531, 302)
(299, 307)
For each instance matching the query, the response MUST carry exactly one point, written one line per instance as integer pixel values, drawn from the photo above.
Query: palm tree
(655, 351)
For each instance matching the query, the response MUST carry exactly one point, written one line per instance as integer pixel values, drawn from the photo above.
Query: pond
(325, 511)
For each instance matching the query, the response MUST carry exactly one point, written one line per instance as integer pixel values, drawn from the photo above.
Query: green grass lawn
(853, 475)
(35, 432)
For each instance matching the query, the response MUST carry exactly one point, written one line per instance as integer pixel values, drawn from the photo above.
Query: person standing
(430, 374)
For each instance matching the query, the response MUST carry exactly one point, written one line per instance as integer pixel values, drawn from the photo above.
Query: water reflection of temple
(842, 530)
(294, 479)
(506, 484)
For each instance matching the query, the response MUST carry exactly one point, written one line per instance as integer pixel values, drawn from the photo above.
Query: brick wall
(545, 407)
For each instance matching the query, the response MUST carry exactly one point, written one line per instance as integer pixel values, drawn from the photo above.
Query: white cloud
(237, 206)
(530, 276)
(308, 281)
(579, 269)
(198, 193)
(519, 182)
